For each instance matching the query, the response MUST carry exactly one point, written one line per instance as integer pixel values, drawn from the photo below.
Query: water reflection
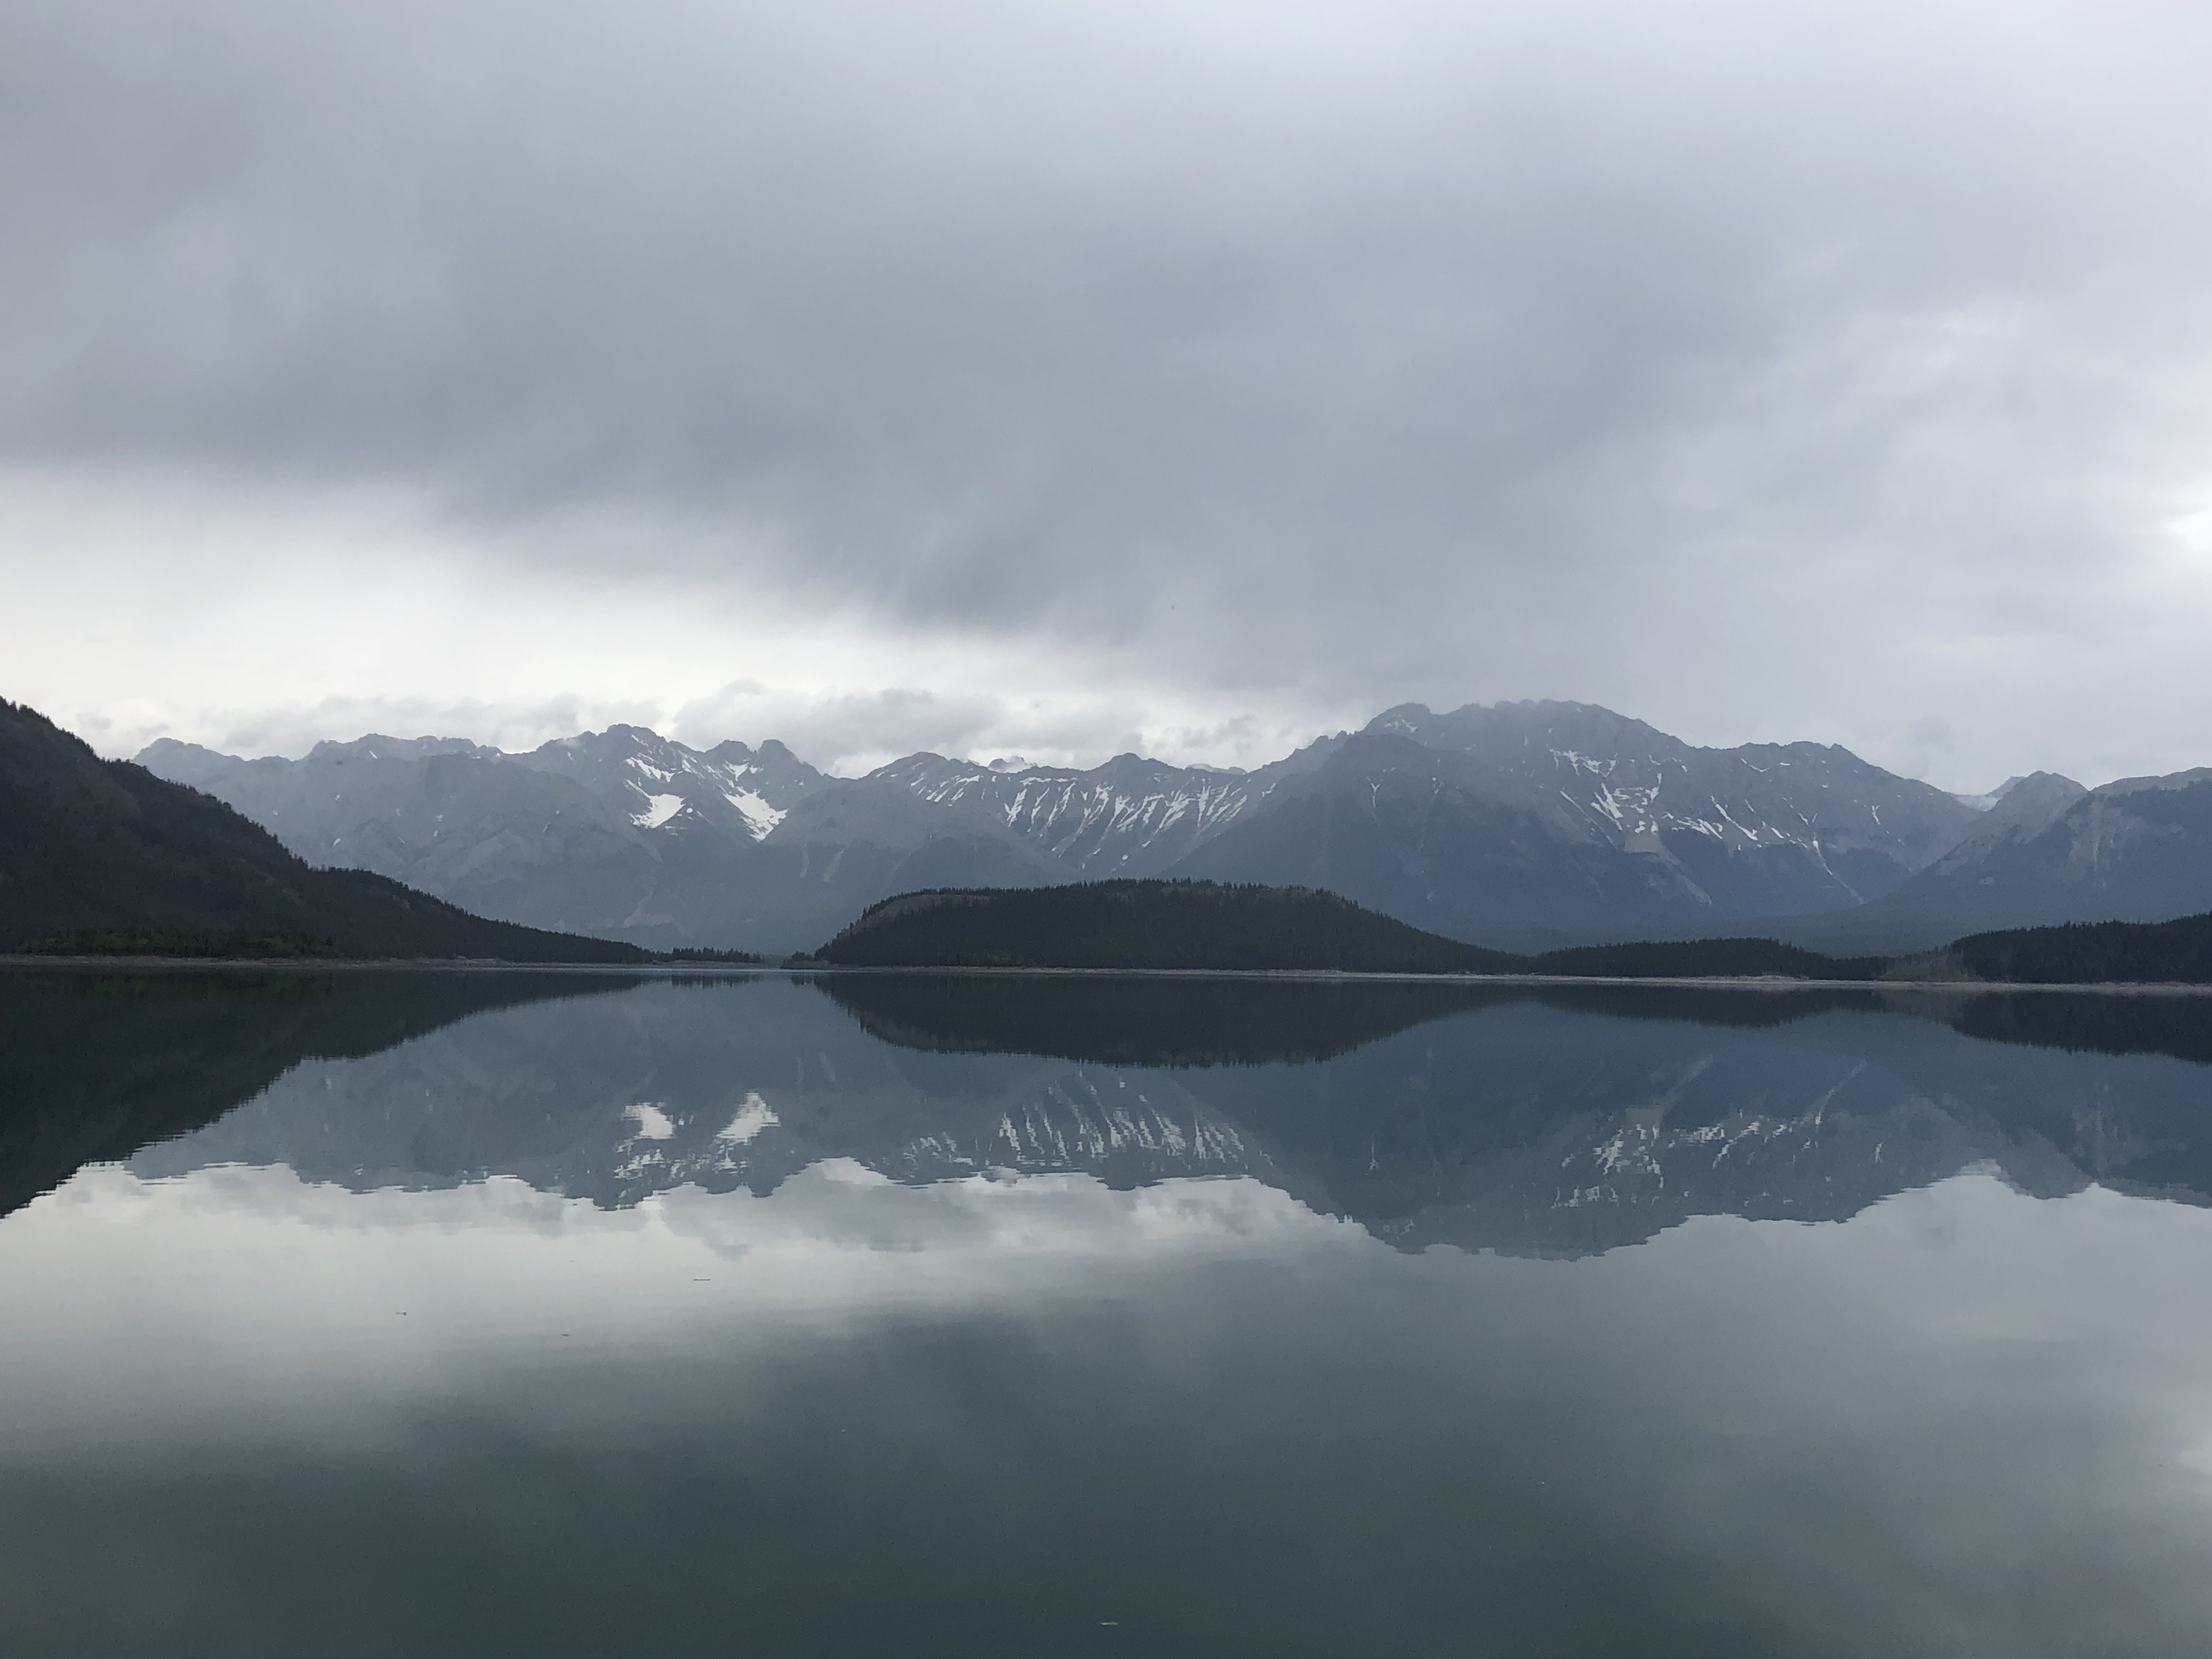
(1530, 1123)
(1166, 1020)
(95, 1065)
(1006, 1317)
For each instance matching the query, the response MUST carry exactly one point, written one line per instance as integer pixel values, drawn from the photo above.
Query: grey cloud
(513, 725)
(1651, 353)
(852, 732)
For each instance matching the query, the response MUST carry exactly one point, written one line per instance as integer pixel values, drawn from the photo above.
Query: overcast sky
(1063, 377)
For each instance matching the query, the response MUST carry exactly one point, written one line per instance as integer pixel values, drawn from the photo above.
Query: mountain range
(1518, 825)
(2049, 851)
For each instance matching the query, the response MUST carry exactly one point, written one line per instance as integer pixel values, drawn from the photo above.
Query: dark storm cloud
(1395, 348)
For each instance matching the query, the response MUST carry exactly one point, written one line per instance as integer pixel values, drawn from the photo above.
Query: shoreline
(377, 964)
(1770, 983)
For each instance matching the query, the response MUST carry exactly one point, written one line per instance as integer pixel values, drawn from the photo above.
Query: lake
(467, 1313)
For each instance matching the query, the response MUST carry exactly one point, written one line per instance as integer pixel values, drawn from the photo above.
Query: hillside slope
(92, 844)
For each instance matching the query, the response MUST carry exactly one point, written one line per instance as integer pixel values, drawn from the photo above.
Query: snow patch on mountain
(1636, 787)
(1128, 816)
(760, 817)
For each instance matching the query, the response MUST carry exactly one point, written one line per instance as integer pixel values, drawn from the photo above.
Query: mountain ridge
(1526, 826)
(2135, 850)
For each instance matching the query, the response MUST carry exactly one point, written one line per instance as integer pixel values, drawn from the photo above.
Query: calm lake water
(428, 1314)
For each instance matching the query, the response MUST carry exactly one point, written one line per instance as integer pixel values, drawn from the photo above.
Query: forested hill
(104, 851)
(2087, 953)
(1208, 924)
(1148, 924)
(1212, 925)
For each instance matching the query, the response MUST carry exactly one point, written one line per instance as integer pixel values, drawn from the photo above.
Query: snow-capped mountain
(622, 833)
(660, 781)
(1523, 825)
(1763, 828)
(1130, 816)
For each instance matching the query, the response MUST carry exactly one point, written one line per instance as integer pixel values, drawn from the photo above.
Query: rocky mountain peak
(1523, 824)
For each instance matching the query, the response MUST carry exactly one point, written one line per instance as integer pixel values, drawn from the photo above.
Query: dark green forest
(1217, 925)
(2176, 952)
(1197, 925)
(199, 945)
(1148, 924)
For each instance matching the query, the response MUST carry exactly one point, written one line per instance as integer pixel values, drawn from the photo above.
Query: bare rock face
(460, 822)
(1763, 828)
(2137, 850)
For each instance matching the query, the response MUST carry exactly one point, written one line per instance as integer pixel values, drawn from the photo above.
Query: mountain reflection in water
(1546, 1121)
(462, 1313)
